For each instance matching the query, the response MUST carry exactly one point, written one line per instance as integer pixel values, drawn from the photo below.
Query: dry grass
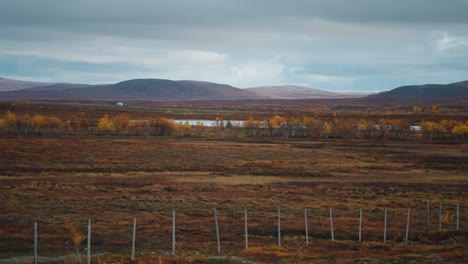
(112, 180)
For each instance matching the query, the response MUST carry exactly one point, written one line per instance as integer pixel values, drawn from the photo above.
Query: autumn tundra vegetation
(63, 164)
(301, 126)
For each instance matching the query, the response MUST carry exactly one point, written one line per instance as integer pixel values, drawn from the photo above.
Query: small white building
(120, 104)
(415, 128)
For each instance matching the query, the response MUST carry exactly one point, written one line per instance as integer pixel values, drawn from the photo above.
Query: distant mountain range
(168, 90)
(300, 92)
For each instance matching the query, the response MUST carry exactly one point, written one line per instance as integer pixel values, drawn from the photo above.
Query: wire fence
(230, 230)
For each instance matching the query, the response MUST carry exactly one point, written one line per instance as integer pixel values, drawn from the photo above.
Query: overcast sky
(341, 45)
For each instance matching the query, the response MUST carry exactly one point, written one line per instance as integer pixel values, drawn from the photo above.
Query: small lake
(208, 123)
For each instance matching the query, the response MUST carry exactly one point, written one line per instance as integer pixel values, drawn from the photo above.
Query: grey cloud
(250, 42)
(223, 12)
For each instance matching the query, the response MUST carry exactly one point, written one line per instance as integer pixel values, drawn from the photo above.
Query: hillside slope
(423, 94)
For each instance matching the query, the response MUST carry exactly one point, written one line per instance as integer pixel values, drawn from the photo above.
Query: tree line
(275, 126)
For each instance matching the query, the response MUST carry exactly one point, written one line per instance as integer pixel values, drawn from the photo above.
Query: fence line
(305, 231)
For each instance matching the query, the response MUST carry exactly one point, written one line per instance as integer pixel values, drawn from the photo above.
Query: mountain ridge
(152, 89)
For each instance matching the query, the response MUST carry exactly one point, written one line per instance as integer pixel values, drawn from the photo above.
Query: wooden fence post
(217, 231)
(360, 224)
(458, 216)
(385, 226)
(88, 249)
(407, 225)
(331, 225)
(440, 217)
(428, 216)
(279, 227)
(306, 226)
(246, 232)
(134, 237)
(35, 242)
(173, 232)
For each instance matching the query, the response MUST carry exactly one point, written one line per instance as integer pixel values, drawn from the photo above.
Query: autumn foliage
(275, 126)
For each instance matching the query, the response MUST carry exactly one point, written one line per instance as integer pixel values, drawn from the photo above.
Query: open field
(235, 110)
(61, 182)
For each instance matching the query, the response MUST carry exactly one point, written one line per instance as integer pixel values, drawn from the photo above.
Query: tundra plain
(62, 181)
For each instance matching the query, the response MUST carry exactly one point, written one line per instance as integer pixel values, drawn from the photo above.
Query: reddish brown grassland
(62, 181)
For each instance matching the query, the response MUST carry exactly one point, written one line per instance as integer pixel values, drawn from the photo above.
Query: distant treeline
(276, 126)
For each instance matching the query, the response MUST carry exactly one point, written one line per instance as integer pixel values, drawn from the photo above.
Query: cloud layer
(362, 45)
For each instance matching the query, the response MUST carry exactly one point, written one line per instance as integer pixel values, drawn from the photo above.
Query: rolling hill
(462, 84)
(300, 92)
(135, 90)
(13, 85)
(423, 94)
(168, 90)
